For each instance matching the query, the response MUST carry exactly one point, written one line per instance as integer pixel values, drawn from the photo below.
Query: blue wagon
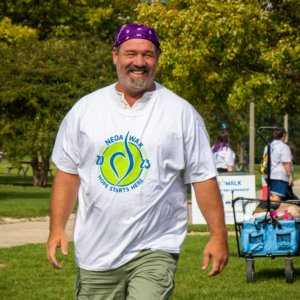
(266, 236)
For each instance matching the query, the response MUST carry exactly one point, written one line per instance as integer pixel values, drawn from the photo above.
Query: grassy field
(28, 275)
(22, 202)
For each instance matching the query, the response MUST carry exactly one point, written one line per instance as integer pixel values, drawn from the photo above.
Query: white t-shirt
(131, 165)
(224, 158)
(280, 152)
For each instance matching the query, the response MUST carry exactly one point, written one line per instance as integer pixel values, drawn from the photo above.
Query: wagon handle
(267, 128)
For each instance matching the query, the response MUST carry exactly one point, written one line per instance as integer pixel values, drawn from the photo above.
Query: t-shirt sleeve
(65, 155)
(285, 155)
(228, 157)
(200, 164)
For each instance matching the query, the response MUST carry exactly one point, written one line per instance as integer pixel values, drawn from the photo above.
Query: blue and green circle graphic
(123, 161)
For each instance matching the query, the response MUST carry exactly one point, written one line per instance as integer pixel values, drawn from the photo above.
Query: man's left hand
(217, 249)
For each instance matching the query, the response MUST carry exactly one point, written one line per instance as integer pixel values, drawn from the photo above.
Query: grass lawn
(204, 228)
(28, 275)
(22, 202)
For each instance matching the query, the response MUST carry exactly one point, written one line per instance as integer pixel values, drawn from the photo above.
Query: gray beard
(137, 83)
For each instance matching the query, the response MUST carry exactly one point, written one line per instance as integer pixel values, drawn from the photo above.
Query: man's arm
(288, 168)
(210, 203)
(63, 199)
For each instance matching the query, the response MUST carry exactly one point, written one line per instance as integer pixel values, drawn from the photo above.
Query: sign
(230, 187)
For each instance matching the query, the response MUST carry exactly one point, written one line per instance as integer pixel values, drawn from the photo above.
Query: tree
(39, 84)
(11, 34)
(207, 46)
(229, 53)
(276, 87)
(70, 18)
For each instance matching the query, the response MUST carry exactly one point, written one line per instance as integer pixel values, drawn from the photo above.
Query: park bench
(28, 165)
(10, 168)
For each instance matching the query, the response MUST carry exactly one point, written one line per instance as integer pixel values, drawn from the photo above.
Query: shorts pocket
(170, 284)
(77, 287)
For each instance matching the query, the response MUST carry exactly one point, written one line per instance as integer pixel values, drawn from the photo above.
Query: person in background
(222, 153)
(245, 161)
(281, 169)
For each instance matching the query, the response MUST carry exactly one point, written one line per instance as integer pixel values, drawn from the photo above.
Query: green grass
(23, 202)
(204, 228)
(27, 275)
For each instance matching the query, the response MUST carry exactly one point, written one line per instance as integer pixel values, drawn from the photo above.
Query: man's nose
(139, 61)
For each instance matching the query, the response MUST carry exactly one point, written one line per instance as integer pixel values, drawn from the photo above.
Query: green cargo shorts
(148, 276)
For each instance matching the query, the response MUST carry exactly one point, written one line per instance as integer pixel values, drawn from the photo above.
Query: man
(125, 150)
(245, 161)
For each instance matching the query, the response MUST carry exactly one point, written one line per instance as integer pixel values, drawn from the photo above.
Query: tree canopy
(39, 84)
(70, 18)
(228, 51)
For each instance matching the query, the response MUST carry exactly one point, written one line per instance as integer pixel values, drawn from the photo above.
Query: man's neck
(132, 96)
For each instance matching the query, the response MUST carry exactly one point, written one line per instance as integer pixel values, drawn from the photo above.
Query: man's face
(136, 64)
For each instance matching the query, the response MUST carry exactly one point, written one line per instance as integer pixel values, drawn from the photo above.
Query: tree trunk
(40, 171)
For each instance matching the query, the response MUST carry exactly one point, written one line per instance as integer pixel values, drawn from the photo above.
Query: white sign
(241, 186)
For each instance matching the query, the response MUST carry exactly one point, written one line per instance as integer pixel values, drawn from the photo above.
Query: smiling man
(127, 151)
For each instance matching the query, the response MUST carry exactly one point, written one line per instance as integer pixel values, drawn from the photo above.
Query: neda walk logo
(122, 163)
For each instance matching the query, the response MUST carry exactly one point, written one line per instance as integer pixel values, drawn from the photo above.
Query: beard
(134, 83)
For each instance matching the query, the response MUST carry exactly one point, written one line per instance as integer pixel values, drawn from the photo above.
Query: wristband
(290, 176)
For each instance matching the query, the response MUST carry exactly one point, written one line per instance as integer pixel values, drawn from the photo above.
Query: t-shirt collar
(120, 100)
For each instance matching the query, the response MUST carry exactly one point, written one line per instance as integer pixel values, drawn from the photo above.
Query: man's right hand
(56, 240)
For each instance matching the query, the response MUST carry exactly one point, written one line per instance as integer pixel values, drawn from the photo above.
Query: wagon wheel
(250, 270)
(289, 270)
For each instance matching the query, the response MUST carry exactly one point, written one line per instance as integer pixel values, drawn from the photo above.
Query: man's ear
(115, 55)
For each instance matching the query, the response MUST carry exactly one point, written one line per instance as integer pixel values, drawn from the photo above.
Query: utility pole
(252, 139)
(286, 126)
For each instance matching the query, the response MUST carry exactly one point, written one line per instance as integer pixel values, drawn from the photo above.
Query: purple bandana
(136, 31)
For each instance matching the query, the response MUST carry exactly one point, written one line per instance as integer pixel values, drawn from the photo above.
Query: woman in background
(222, 153)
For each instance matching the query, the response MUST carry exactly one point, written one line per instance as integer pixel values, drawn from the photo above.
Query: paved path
(32, 232)
(20, 232)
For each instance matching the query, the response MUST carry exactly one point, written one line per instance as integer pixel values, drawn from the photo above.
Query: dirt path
(16, 232)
